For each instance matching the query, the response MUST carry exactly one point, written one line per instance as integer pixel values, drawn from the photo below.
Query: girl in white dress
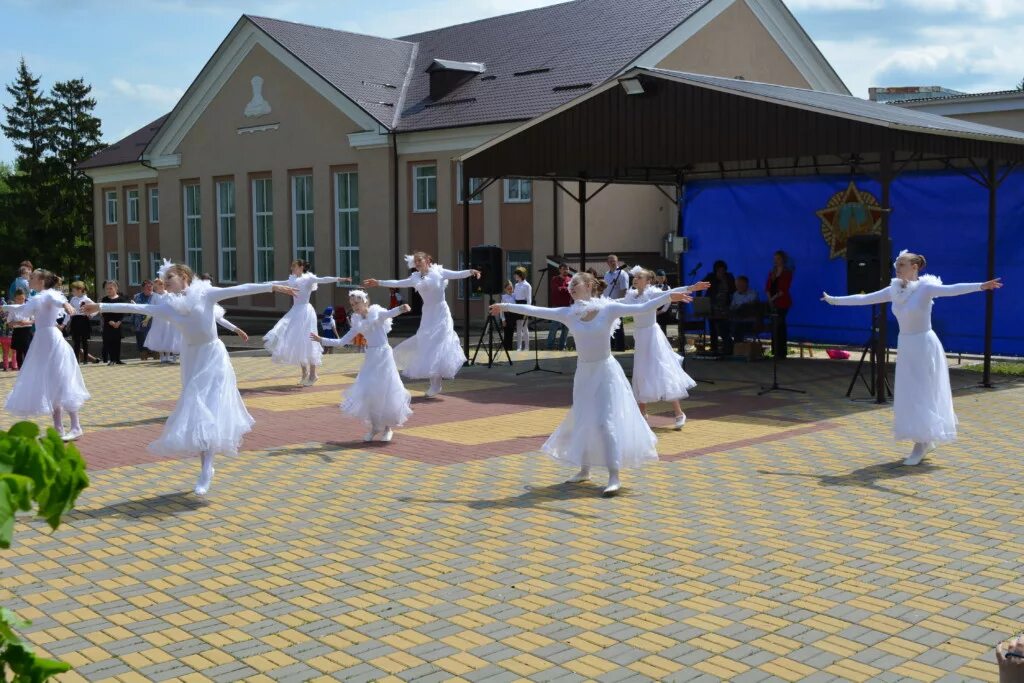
(288, 341)
(50, 381)
(163, 338)
(522, 293)
(604, 427)
(378, 396)
(434, 352)
(209, 417)
(922, 400)
(658, 373)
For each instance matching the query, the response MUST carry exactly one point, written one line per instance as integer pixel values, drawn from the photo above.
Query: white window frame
(113, 267)
(428, 179)
(193, 250)
(154, 204)
(132, 206)
(256, 215)
(154, 263)
(110, 207)
(518, 183)
(474, 185)
(134, 269)
(346, 214)
(225, 251)
(306, 252)
(512, 263)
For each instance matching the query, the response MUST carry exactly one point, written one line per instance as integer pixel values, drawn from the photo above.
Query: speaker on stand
(487, 259)
(864, 270)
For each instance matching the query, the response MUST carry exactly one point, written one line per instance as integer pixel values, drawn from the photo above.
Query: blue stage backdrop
(941, 215)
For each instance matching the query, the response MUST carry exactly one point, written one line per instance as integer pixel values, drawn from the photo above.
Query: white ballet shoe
(370, 434)
(386, 436)
(203, 483)
(916, 455)
(581, 476)
(646, 417)
(310, 381)
(611, 490)
(433, 390)
(680, 421)
(73, 435)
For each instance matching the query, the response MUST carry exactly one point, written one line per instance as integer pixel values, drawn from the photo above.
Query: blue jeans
(559, 330)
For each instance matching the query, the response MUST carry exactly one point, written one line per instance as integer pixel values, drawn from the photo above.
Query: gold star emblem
(849, 212)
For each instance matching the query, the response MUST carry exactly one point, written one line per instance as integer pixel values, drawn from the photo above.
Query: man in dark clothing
(723, 284)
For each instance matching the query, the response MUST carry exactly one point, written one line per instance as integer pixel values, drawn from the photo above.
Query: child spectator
(21, 329)
(328, 327)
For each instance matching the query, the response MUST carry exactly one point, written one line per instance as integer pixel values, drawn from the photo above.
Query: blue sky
(140, 55)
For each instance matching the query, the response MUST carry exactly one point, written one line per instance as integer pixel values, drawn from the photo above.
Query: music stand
(489, 328)
(775, 362)
(536, 347)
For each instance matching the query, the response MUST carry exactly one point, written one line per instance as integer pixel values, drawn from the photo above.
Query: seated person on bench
(745, 310)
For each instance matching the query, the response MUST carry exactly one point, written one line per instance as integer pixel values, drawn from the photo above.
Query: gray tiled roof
(371, 71)
(127, 150)
(583, 43)
(850, 107)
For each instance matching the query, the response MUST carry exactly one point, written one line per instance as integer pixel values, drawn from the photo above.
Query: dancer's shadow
(276, 389)
(867, 477)
(135, 423)
(317, 450)
(533, 497)
(163, 505)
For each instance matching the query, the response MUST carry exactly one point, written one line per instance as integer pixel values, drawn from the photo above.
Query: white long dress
(378, 396)
(288, 341)
(658, 373)
(50, 377)
(210, 415)
(922, 399)
(163, 337)
(604, 427)
(435, 349)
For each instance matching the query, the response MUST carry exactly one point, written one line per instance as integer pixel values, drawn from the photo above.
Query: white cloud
(991, 9)
(164, 96)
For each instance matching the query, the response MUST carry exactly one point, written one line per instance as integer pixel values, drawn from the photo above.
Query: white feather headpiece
(410, 261)
(162, 272)
(359, 295)
(636, 270)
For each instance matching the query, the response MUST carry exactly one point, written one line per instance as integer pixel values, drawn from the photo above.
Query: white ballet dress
(163, 337)
(50, 377)
(922, 399)
(435, 349)
(658, 373)
(378, 396)
(288, 341)
(604, 427)
(210, 415)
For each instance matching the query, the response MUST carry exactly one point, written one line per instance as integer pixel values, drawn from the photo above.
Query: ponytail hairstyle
(301, 264)
(49, 279)
(591, 282)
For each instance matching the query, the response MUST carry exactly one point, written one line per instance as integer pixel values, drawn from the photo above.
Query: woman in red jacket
(779, 281)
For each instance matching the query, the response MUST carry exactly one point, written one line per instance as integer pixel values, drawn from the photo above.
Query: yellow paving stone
(787, 669)
(852, 670)
(901, 647)
(723, 667)
(918, 671)
(525, 664)
(590, 666)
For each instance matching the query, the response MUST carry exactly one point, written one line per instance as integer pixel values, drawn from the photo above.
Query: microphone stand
(775, 362)
(536, 346)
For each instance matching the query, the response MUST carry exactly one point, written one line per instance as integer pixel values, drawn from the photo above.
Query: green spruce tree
(74, 137)
(28, 127)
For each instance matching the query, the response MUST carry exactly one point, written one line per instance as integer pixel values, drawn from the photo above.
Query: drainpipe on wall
(394, 199)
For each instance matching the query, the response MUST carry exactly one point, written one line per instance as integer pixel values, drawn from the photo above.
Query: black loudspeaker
(487, 259)
(863, 265)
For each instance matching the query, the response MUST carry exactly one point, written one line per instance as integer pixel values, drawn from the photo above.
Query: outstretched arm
(459, 274)
(222, 293)
(562, 315)
(373, 282)
(652, 304)
(397, 311)
(937, 291)
(880, 297)
(161, 310)
(331, 280)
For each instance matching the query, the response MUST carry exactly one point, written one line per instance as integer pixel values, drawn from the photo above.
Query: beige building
(300, 141)
(1004, 109)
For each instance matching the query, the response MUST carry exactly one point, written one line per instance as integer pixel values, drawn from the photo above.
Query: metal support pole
(884, 257)
(554, 218)
(582, 198)
(680, 232)
(993, 188)
(465, 262)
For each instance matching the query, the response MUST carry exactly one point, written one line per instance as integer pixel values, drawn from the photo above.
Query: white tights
(522, 335)
(58, 421)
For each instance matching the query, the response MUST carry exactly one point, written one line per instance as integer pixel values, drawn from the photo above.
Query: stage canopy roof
(659, 126)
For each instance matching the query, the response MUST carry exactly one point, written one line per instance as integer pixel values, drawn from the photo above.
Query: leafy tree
(49, 474)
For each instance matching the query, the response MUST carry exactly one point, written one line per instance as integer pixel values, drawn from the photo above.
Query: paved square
(778, 539)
